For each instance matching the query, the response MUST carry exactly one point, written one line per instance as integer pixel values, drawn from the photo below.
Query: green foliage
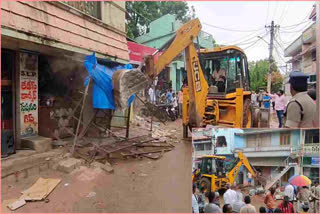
(259, 76)
(141, 13)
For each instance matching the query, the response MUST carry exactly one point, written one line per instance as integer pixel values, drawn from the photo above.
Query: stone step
(37, 143)
(19, 165)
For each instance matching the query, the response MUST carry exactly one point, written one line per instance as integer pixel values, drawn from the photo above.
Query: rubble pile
(137, 147)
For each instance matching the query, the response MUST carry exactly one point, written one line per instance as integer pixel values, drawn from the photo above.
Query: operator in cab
(219, 77)
(301, 109)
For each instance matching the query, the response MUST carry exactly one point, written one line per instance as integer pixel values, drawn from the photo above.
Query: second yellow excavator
(213, 175)
(219, 96)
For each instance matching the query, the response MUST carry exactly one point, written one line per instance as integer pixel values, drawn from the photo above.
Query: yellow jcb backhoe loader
(205, 100)
(212, 174)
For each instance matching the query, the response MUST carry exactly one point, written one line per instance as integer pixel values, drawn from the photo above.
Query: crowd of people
(304, 199)
(299, 111)
(167, 97)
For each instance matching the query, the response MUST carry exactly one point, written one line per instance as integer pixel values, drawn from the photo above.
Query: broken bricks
(106, 167)
(68, 165)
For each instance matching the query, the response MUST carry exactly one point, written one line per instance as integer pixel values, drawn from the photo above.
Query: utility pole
(272, 27)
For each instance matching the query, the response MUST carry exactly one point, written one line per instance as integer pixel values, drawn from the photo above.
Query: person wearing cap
(301, 109)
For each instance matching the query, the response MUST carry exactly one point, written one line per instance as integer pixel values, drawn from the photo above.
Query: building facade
(160, 32)
(303, 51)
(310, 154)
(43, 48)
(271, 151)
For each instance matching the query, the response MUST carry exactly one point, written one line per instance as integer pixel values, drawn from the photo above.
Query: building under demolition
(43, 48)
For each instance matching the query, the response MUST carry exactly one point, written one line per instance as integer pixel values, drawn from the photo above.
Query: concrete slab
(20, 162)
(68, 165)
(37, 143)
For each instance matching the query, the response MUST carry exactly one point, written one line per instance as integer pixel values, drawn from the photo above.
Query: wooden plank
(40, 190)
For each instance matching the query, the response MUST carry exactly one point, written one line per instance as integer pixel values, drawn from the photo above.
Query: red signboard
(138, 51)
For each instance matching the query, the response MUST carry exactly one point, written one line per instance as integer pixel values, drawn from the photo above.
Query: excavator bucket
(126, 83)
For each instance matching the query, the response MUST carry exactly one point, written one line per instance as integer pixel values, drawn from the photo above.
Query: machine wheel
(205, 185)
(246, 121)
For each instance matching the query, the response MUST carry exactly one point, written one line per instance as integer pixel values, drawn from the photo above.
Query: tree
(141, 13)
(259, 75)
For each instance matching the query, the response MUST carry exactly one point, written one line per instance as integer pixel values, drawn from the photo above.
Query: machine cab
(225, 69)
(213, 165)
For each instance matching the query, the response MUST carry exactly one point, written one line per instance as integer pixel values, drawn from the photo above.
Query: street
(163, 185)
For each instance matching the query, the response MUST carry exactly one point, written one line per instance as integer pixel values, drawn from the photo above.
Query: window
(285, 138)
(221, 141)
(233, 77)
(92, 8)
(208, 146)
(312, 136)
(199, 147)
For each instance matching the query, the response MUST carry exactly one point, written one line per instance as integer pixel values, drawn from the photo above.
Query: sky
(252, 17)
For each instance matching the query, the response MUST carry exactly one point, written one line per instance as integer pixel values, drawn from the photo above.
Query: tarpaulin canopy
(103, 97)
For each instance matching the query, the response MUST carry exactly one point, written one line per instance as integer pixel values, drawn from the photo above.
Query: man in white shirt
(230, 196)
(151, 95)
(195, 206)
(289, 191)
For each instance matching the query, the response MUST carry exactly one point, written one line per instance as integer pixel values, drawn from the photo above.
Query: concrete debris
(66, 184)
(17, 204)
(259, 190)
(69, 165)
(106, 167)
(143, 175)
(252, 192)
(91, 194)
(67, 155)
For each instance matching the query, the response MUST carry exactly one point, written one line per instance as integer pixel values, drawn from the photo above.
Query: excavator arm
(242, 160)
(128, 82)
(197, 84)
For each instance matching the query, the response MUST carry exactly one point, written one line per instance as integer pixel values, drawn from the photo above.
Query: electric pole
(272, 27)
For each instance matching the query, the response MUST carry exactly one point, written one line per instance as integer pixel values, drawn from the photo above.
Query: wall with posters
(28, 94)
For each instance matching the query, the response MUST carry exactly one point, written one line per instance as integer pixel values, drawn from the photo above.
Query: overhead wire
(275, 11)
(240, 40)
(227, 29)
(283, 15)
(267, 12)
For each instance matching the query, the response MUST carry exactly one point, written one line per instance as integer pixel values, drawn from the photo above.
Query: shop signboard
(311, 149)
(315, 161)
(28, 94)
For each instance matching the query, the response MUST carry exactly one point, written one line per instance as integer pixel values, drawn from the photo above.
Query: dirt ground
(162, 185)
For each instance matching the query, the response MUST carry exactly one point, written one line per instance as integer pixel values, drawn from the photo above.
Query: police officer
(301, 109)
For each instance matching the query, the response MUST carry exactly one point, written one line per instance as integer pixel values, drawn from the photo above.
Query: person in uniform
(301, 109)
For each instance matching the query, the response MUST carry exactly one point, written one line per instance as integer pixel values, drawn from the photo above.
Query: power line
(295, 25)
(282, 17)
(267, 12)
(246, 36)
(275, 11)
(227, 29)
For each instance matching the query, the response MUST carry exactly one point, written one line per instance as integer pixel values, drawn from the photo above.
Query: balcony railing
(91, 8)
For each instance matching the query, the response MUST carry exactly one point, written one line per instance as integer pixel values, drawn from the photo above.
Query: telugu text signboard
(28, 94)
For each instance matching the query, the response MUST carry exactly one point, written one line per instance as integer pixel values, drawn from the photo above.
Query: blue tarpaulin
(102, 83)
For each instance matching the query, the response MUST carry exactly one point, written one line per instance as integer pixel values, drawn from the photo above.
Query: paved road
(163, 185)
